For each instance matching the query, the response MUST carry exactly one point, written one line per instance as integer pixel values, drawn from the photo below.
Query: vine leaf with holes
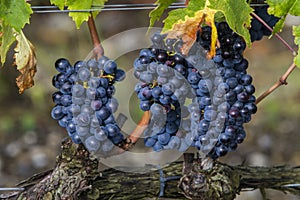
(79, 17)
(197, 13)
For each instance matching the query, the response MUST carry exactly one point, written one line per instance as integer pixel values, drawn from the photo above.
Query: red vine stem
(280, 82)
(283, 78)
(98, 49)
(276, 34)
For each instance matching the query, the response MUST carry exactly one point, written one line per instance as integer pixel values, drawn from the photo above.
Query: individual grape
(96, 105)
(62, 65)
(92, 144)
(157, 146)
(83, 119)
(94, 82)
(84, 74)
(157, 38)
(149, 142)
(164, 138)
(100, 133)
(76, 138)
(107, 146)
(110, 67)
(57, 113)
(112, 104)
(66, 87)
(174, 142)
(63, 121)
(71, 127)
(145, 105)
(82, 131)
(168, 88)
(120, 75)
(78, 90)
(103, 113)
(156, 109)
(66, 100)
(246, 79)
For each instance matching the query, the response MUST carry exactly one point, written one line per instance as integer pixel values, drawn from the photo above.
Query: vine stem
(283, 78)
(276, 34)
(98, 48)
(280, 82)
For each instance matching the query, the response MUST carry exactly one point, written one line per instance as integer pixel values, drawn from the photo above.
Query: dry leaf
(187, 29)
(25, 60)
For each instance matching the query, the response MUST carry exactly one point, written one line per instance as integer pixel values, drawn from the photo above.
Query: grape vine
(193, 87)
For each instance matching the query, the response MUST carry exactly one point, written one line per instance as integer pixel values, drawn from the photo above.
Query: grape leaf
(15, 13)
(156, 14)
(175, 16)
(25, 60)
(98, 3)
(237, 14)
(79, 17)
(7, 39)
(59, 3)
(281, 8)
(75, 5)
(296, 33)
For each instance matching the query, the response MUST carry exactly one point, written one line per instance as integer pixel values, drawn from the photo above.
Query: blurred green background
(30, 139)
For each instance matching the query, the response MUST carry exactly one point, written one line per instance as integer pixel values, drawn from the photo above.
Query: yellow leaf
(25, 60)
(187, 29)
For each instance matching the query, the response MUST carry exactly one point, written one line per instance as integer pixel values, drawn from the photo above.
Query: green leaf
(281, 8)
(98, 3)
(156, 14)
(15, 13)
(237, 14)
(7, 39)
(59, 3)
(79, 17)
(179, 14)
(296, 33)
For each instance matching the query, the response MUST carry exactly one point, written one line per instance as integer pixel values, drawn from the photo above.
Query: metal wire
(11, 189)
(111, 7)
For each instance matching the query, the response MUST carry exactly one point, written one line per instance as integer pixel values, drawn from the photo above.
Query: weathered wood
(77, 176)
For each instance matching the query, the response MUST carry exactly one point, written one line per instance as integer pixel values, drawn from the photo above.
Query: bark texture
(77, 176)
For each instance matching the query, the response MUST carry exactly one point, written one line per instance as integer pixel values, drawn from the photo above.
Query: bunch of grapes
(195, 101)
(85, 102)
(235, 87)
(258, 30)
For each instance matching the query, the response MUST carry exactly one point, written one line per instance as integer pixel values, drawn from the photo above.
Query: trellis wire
(110, 7)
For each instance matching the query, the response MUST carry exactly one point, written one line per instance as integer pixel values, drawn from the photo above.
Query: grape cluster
(232, 84)
(220, 92)
(87, 112)
(258, 30)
